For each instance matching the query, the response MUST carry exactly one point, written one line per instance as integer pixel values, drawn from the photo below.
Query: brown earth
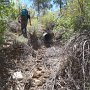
(38, 67)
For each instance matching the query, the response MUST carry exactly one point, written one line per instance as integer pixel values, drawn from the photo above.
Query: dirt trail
(52, 62)
(39, 68)
(40, 71)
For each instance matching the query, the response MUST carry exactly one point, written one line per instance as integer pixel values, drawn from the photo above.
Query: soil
(38, 67)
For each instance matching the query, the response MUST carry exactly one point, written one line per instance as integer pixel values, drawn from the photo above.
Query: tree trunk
(38, 9)
(60, 6)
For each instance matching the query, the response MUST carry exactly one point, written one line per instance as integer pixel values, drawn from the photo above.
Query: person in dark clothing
(23, 19)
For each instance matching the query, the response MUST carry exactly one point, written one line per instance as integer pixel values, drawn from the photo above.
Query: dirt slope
(38, 67)
(40, 70)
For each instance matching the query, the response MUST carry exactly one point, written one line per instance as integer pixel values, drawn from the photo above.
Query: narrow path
(52, 62)
(40, 68)
(44, 68)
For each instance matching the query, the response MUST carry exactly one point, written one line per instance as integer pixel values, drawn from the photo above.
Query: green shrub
(64, 26)
(2, 30)
(48, 19)
(6, 11)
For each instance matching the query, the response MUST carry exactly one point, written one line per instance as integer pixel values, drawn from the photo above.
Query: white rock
(44, 34)
(17, 75)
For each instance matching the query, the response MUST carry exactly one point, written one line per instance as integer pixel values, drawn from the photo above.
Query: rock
(39, 68)
(46, 75)
(17, 75)
(6, 46)
(14, 26)
(38, 61)
(38, 82)
(37, 74)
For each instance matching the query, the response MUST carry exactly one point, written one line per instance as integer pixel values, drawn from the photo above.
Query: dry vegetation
(55, 67)
(76, 74)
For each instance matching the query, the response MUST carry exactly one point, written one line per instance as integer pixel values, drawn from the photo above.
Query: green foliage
(63, 23)
(32, 13)
(58, 2)
(41, 4)
(48, 19)
(34, 26)
(7, 13)
(2, 29)
(64, 27)
(6, 10)
(77, 23)
(75, 17)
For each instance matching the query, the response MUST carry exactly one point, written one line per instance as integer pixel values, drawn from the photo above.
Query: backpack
(24, 12)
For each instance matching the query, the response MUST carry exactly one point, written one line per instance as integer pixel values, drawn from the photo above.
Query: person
(23, 19)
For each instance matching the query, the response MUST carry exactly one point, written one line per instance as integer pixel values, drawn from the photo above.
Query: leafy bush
(6, 11)
(34, 26)
(48, 19)
(64, 26)
(2, 29)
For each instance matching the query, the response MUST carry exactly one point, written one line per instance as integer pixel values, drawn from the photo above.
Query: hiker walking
(23, 19)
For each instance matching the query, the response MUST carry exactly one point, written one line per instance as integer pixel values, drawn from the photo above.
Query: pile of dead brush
(76, 73)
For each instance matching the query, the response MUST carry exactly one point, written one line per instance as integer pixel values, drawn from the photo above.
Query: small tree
(60, 3)
(41, 4)
(6, 9)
